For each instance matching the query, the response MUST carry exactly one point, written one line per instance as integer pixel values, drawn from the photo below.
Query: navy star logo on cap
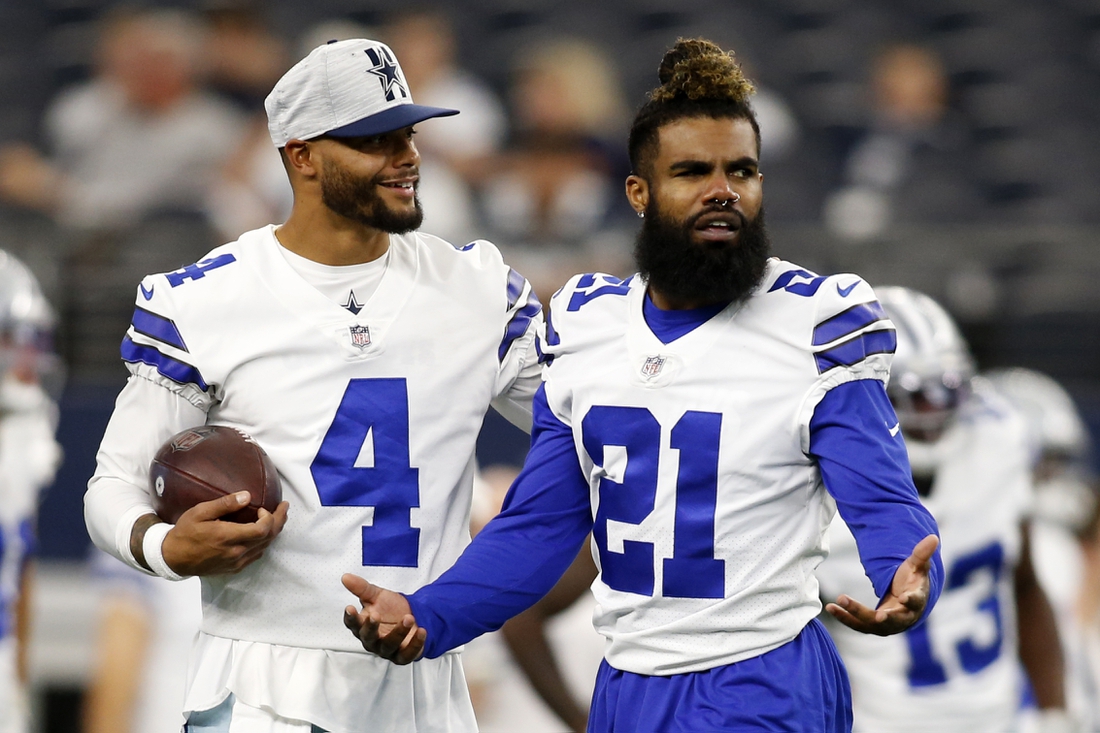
(385, 68)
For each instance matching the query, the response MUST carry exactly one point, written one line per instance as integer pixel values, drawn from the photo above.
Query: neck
(666, 303)
(319, 234)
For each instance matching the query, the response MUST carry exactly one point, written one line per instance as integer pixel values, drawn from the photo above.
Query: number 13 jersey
(958, 672)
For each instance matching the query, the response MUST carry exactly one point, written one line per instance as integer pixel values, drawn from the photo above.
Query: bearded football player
(704, 420)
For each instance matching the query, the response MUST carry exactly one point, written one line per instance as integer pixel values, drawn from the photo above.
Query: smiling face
(703, 239)
(372, 180)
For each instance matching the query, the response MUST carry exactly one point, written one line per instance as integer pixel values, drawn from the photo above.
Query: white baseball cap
(344, 89)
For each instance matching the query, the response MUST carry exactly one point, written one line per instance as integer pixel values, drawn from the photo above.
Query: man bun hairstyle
(698, 79)
(698, 69)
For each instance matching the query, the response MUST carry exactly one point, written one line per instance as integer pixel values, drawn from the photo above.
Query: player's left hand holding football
(385, 626)
(902, 605)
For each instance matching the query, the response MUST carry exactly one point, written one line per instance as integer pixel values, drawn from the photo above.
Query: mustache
(713, 209)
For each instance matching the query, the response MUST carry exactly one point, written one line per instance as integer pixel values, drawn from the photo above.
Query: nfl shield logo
(360, 336)
(652, 366)
(190, 439)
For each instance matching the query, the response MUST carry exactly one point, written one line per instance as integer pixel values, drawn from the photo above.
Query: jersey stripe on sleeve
(848, 322)
(174, 369)
(516, 282)
(157, 327)
(857, 349)
(520, 321)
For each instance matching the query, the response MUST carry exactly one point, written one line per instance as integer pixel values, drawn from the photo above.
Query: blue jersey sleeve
(859, 449)
(522, 552)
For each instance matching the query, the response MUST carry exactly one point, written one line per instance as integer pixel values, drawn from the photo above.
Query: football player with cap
(29, 456)
(703, 419)
(959, 672)
(362, 355)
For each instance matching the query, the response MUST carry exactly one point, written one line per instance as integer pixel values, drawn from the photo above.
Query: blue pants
(801, 686)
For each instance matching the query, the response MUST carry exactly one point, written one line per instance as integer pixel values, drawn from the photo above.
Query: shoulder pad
(582, 289)
(571, 302)
(849, 323)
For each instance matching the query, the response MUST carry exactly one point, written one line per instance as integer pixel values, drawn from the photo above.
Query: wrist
(138, 531)
(152, 549)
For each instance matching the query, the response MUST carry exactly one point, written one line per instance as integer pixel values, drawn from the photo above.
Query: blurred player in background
(1087, 669)
(697, 418)
(362, 356)
(145, 631)
(559, 672)
(1064, 537)
(538, 671)
(29, 456)
(959, 672)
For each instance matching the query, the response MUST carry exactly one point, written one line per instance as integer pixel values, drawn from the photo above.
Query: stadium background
(1014, 257)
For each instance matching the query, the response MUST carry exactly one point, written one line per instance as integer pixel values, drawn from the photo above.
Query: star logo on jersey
(388, 73)
(652, 367)
(353, 305)
(360, 336)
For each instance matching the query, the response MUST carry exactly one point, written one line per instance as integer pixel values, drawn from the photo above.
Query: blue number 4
(692, 571)
(198, 270)
(364, 461)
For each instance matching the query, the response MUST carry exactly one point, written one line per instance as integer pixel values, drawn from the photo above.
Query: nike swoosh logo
(147, 294)
(894, 430)
(844, 291)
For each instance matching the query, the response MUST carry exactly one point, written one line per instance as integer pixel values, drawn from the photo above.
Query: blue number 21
(364, 461)
(692, 571)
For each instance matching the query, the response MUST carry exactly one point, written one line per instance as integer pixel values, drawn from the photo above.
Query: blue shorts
(801, 686)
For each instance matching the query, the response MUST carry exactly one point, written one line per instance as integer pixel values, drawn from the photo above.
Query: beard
(358, 199)
(684, 270)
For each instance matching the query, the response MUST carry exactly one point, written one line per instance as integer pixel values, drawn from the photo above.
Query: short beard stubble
(357, 199)
(684, 270)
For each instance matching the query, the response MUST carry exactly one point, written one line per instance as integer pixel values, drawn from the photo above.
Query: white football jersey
(958, 672)
(29, 456)
(371, 420)
(709, 514)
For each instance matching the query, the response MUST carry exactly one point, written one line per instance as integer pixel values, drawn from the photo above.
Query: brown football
(208, 462)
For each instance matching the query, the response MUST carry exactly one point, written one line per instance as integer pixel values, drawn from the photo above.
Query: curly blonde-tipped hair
(698, 79)
(699, 69)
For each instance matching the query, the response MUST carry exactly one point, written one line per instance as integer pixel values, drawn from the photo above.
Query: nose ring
(726, 202)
